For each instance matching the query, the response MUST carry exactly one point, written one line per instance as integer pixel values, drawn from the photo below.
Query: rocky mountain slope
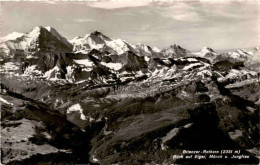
(97, 100)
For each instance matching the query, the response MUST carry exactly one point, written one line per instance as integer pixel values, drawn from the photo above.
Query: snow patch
(77, 108)
(113, 66)
(85, 62)
(86, 69)
(204, 73)
(93, 44)
(167, 61)
(9, 66)
(242, 83)
(69, 76)
(139, 73)
(117, 45)
(234, 74)
(32, 70)
(191, 66)
(52, 72)
(34, 34)
(234, 135)
(31, 57)
(76, 40)
(146, 58)
(258, 102)
(171, 134)
(95, 160)
(5, 101)
(192, 60)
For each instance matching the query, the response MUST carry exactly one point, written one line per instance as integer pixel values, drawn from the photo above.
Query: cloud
(145, 27)
(51, 2)
(81, 20)
(233, 10)
(207, 10)
(179, 11)
(118, 4)
(184, 16)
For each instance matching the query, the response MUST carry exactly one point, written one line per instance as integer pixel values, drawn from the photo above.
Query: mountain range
(99, 100)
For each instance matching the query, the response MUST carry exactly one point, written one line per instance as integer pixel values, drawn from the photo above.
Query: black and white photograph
(129, 82)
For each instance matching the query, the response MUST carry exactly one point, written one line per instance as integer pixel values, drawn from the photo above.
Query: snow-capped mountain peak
(156, 49)
(35, 32)
(56, 34)
(175, 51)
(97, 40)
(34, 41)
(99, 35)
(242, 51)
(46, 32)
(78, 37)
(206, 50)
(207, 53)
(96, 33)
(77, 40)
(11, 36)
(175, 46)
(49, 28)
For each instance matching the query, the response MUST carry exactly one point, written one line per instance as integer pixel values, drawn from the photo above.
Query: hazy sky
(219, 25)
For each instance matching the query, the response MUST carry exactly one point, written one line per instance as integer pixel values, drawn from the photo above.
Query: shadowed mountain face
(98, 100)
